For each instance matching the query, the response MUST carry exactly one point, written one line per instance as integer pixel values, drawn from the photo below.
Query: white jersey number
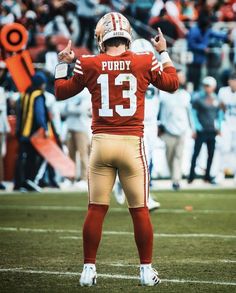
(105, 111)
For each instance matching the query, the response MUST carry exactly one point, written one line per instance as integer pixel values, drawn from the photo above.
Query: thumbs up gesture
(66, 55)
(159, 42)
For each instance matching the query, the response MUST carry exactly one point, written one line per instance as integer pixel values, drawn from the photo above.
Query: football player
(150, 124)
(150, 114)
(117, 80)
(227, 95)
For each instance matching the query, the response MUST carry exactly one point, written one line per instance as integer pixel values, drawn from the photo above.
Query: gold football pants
(122, 154)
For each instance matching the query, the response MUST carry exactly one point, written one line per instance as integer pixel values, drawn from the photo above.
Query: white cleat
(148, 276)
(89, 276)
(152, 204)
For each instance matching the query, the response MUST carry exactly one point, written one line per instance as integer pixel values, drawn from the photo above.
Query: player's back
(117, 85)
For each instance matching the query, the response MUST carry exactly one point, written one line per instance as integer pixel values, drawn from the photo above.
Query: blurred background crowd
(201, 38)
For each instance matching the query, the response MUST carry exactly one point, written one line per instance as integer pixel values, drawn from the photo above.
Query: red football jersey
(118, 85)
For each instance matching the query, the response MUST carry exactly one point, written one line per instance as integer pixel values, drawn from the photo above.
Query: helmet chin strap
(101, 47)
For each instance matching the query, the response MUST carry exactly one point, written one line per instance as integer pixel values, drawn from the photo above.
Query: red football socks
(143, 233)
(92, 231)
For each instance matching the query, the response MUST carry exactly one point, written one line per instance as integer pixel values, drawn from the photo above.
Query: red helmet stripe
(120, 22)
(113, 21)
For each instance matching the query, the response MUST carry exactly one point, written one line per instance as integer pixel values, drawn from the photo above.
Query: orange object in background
(21, 69)
(9, 161)
(51, 152)
(14, 38)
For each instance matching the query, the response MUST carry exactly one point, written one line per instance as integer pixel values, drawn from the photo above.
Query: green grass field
(194, 251)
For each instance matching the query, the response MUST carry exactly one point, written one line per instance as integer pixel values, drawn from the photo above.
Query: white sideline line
(109, 276)
(118, 210)
(71, 237)
(188, 261)
(37, 230)
(228, 261)
(195, 235)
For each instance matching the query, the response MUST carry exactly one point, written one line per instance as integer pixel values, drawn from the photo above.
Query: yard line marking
(118, 264)
(37, 230)
(123, 264)
(199, 282)
(203, 235)
(71, 237)
(174, 235)
(112, 209)
(109, 276)
(206, 261)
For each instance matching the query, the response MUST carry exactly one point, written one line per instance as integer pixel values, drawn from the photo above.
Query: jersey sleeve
(165, 79)
(66, 88)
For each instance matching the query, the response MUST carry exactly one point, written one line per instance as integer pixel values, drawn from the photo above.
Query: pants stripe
(147, 170)
(146, 175)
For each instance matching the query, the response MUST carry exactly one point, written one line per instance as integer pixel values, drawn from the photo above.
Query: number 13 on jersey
(105, 110)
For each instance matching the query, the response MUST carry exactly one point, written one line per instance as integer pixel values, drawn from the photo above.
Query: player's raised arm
(166, 79)
(64, 87)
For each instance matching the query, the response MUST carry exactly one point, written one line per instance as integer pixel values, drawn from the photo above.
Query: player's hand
(159, 42)
(67, 55)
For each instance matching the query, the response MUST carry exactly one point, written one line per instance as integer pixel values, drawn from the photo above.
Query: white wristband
(164, 56)
(61, 70)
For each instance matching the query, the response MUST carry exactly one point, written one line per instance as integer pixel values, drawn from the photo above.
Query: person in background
(233, 48)
(168, 12)
(49, 57)
(78, 120)
(4, 125)
(227, 95)
(207, 119)
(175, 118)
(188, 11)
(6, 15)
(227, 11)
(150, 126)
(166, 24)
(142, 9)
(86, 13)
(198, 39)
(29, 20)
(150, 116)
(32, 116)
(57, 26)
(170, 6)
(47, 176)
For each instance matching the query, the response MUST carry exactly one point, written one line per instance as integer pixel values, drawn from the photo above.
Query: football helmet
(112, 25)
(142, 45)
